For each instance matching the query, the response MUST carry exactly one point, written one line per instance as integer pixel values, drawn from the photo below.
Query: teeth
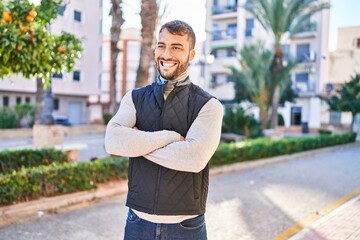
(167, 65)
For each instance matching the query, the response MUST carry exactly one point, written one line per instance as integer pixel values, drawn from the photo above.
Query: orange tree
(27, 47)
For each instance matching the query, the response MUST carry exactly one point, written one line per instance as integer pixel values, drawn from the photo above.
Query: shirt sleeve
(123, 140)
(200, 143)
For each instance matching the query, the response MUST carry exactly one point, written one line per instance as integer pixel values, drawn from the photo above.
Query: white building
(127, 64)
(230, 27)
(71, 90)
(344, 62)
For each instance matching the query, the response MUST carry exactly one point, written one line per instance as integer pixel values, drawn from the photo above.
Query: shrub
(264, 148)
(237, 121)
(281, 121)
(55, 179)
(325, 132)
(25, 113)
(106, 117)
(14, 160)
(7, 118)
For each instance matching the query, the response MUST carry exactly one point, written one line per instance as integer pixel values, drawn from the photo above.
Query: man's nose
(166, 53)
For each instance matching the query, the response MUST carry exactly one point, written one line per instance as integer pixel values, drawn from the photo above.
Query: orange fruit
(6, 16)
(61, 50)
(19, 48)
(32, 14)
(29, 19)
(25, 28)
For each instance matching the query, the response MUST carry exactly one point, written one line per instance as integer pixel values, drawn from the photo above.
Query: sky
(343, 13)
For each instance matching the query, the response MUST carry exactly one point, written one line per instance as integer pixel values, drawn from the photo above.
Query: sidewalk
(341, 223)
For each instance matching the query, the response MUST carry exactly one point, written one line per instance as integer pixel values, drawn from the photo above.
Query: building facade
(127, 64)
(344, 63)
(72, 90)
(230, 27)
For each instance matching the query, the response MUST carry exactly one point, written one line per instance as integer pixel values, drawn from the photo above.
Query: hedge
(14, 160)
(264, 148)
(60, 178)
(55, 179)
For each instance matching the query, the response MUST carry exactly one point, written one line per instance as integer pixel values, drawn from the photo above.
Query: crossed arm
(165, 147)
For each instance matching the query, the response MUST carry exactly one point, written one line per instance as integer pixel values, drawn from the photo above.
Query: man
(169, 129)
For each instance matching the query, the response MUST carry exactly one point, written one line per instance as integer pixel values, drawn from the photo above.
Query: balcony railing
(221, 9)
(223, 34)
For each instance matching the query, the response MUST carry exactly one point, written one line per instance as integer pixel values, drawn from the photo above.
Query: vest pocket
(196, 185)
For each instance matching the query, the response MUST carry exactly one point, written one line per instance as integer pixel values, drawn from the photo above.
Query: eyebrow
(173, 44)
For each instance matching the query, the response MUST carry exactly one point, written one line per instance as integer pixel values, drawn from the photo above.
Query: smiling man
(169, 130)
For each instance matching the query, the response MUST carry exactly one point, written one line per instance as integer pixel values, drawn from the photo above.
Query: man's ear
(192, 54)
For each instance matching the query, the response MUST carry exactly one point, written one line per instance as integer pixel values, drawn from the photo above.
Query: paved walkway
(342, 223)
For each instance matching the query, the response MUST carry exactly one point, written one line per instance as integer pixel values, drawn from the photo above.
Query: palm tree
(254, 78)
(117, 21)
(148, 16)
(280, 17)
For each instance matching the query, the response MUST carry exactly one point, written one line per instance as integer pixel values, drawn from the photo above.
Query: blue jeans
(140, 229)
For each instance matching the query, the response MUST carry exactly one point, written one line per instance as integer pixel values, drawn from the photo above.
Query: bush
(25, 113)
(237, 121)
(325, 132)
(264, 148)
(14, 160)
(7, 118)
(281, 121)
(106, 117)
(31, 183)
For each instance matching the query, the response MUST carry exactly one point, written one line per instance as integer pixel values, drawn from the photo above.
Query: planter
(48, 135)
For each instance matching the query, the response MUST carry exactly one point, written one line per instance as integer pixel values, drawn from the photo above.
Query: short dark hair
(181, 28)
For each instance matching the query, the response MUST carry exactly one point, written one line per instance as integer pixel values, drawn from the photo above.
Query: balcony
(228, 34)
(308, 32)
(222, 9)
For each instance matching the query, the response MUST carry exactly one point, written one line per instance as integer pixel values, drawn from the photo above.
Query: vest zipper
(159, 171)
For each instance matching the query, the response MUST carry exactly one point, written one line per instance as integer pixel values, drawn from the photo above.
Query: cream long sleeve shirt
(164, 147)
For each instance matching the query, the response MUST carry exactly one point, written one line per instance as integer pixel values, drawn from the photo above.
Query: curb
(52, 205)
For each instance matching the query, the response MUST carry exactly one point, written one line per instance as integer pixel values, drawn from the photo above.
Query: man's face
(172, 54)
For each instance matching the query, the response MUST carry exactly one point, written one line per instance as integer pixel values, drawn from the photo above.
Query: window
(61, 10)
(230, 79)
(249, 27)
(335, 117)
(27, 100)
(286, 51)
(302, 82)
(302, 52)
(76, 76)
(232, 30)
(56, 104)
(5, 101)
(18, 100)
(57, 75)
(77, 16)
(100, 81)
(100, 26)
(100, 54)
(230, 52)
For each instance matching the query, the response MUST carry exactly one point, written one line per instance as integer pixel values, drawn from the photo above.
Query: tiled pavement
(340, 224)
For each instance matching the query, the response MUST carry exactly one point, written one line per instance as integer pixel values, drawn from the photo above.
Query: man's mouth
(166, 64)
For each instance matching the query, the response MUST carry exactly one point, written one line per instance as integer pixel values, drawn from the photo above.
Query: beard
(180, 68)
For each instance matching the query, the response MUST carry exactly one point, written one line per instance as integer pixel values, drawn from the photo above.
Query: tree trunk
(148, 21)
(39, 96)
(275, 68)
(117, 21)
(263, 115)
(274, 107)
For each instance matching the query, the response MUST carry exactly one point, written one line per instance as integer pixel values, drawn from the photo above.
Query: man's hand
(182, 138)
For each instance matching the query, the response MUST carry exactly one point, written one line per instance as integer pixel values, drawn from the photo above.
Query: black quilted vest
(155, 189)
